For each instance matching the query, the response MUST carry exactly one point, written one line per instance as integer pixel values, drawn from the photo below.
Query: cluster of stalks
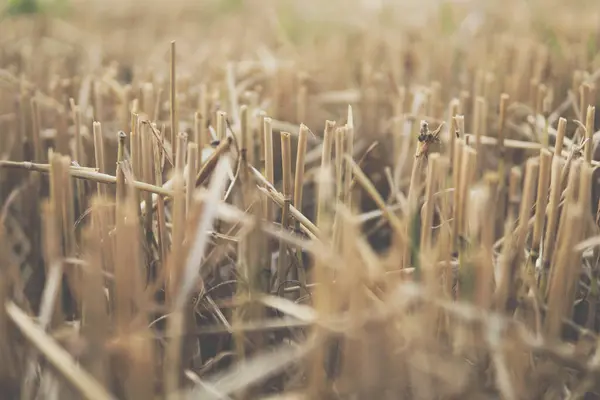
(254, 232)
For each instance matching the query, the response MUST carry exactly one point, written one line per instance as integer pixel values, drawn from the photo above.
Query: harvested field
(275, 199)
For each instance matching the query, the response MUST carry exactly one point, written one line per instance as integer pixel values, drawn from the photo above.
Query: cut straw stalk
(553, 206)
(485, 273)
(147, 171)
(178, 231)
(565, 272)
(428, 207)
(531, 173)
(286, 166)
(299, 172)
(452, 129)
(323, 299)
(467, 174)
(340, 133)
(299, 188)
(269, 164)
(246, 137)
(85, 174)
(160, 207)
(135, 146)
(79, 153)
(589, 129)
(505, 278)
(542, 199)
(76, 116)
(192, 161)
(328, 135)
(460, 126)
(99, 154)
(62, 197)
(457, 195)
(414, 194)
(36, 126)
(560, 137)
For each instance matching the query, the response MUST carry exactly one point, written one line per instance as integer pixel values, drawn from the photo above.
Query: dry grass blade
(57, 356)
(299, 311)
(210, 203)
(51, 291)
(210, 164)
(242, 375)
